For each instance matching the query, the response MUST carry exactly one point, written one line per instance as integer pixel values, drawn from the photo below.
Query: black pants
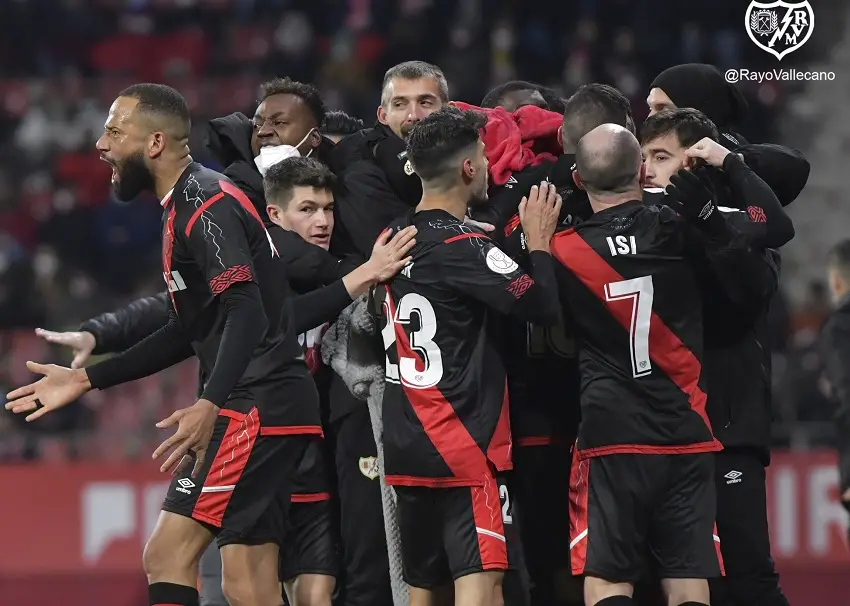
(364, 545)
(541, 488)
(751, 578)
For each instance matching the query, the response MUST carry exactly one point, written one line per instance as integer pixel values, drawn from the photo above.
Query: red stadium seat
(124, 53)
(185, 52)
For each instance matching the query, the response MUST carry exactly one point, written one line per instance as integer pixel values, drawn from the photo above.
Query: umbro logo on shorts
(184, 484)
(733, 477)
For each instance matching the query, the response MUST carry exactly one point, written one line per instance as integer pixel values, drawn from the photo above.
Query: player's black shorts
(243, 490)
(311, 544)
(447, 533)
(625, 506)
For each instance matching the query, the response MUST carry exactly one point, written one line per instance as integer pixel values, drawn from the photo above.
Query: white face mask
(271, 155)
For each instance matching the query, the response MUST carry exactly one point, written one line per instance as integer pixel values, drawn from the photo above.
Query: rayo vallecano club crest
(779, 27)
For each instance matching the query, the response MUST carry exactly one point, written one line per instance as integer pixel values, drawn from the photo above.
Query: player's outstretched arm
(166, 347)
(113, 331)
(389, 256)
(121, 329)
(60, 386)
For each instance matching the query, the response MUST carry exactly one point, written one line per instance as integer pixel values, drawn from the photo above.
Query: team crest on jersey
(499, 262)
(408, 168)
(779, 28)
(369, 467)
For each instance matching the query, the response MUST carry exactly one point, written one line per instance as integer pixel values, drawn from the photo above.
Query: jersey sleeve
(217, 238)
(477, 267)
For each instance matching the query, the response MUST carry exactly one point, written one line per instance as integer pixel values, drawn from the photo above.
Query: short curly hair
(434, 142)
(307, 92)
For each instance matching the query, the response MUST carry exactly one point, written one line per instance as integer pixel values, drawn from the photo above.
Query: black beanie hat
(703, 87)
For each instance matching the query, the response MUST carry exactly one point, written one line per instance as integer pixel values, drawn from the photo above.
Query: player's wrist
(204, 403)
(81, 379)
(360, 280)
(538, 243)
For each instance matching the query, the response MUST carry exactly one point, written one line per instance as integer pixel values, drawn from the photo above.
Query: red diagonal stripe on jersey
(665, 348)
(240, 197)
(246, 203)
(439, 419)
(168, 249)
(200, 211)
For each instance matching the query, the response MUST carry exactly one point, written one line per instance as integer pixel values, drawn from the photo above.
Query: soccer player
(643, 470)
(447, 435)
(228, 306)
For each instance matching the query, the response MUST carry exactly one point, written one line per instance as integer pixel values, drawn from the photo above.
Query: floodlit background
(79, 492)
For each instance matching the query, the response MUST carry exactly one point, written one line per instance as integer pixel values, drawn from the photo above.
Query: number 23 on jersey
(426, 369)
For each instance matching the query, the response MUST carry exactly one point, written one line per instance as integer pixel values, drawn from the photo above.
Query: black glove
(692, 198)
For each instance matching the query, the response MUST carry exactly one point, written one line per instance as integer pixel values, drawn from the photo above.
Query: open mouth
(321, 238)
(114, 169)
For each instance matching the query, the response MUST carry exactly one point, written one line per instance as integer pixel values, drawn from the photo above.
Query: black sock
(171, 594)
(616, 600)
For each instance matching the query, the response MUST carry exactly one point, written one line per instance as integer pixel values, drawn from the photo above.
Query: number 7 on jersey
(641, 292)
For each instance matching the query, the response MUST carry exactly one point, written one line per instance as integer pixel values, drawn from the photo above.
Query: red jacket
(514, 141)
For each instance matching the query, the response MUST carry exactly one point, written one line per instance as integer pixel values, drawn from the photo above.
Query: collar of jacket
(390, 154)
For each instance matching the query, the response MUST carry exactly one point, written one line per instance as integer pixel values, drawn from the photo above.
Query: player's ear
(577, 180)
(274, 213)
(382, 115)
(155, 144)
(315, 138)
(468, 169)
